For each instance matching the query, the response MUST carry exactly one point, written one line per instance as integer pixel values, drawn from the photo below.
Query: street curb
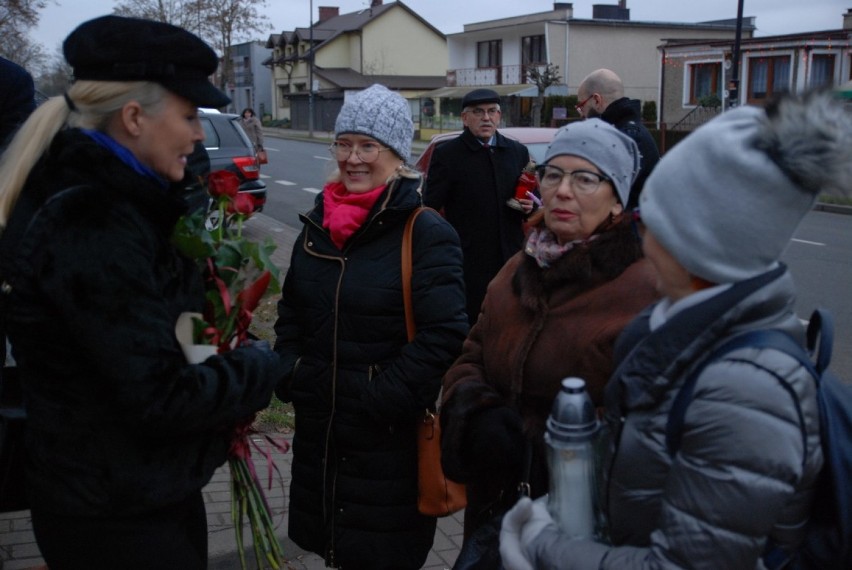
(833, 208)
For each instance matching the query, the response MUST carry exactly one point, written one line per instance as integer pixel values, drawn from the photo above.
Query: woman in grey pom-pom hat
(739, 474)
(358, 386)
(122, 432)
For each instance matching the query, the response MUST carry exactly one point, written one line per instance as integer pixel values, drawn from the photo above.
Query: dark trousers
(171, 538)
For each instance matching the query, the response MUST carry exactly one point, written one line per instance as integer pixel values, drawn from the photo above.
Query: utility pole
(734, 83)
(311, 73)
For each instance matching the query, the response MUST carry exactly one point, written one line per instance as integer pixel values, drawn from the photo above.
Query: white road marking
(285, 182)
(312, 190)
(808, 242)
(323, 157)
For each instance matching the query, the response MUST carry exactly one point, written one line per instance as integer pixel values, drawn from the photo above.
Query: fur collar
(584, 267)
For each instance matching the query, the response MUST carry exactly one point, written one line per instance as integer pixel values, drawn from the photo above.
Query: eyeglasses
(582, 181)
(479, 112)
(579, 106)
(367, 152)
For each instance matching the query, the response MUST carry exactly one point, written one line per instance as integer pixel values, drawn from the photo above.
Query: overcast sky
(449, 16)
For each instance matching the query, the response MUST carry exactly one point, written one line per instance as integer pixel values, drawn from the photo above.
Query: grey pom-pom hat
(726, 201)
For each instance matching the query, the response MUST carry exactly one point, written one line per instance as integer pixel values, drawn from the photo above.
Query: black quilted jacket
(357, 385)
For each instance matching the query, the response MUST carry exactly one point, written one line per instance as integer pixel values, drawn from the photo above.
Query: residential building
(496, 53)
(696, 72)
(250, 83)
(384, 43)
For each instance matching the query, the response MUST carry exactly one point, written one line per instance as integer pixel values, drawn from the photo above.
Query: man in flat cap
(471, 178)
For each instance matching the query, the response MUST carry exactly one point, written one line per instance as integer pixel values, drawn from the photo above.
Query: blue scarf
(125, 156)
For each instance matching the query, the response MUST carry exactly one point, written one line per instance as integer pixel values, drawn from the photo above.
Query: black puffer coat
(119, 424)
(358, 387)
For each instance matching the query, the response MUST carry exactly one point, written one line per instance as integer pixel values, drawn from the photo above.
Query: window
(532, 50)
(703, 81)
(488, 54)
(822, 69)
(767, 76)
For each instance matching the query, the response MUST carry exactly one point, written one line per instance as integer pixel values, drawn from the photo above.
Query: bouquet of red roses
(238, 273)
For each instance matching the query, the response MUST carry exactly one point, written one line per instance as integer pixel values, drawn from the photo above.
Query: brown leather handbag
(437, 495)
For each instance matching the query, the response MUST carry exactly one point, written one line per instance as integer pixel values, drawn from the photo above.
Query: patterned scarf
(343, 212)
(543, 247)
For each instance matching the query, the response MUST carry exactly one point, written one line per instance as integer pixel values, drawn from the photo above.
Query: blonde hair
(95, 104)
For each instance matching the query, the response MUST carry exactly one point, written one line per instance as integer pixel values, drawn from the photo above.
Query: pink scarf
(343, 213)
(543, 247)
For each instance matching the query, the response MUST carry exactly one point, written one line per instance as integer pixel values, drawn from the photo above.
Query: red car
(536, 140)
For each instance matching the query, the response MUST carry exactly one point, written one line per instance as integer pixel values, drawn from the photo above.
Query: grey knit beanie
(611, 151)
(379, 113)
(726, 201)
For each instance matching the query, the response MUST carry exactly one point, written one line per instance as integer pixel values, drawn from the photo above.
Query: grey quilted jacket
(749, 455)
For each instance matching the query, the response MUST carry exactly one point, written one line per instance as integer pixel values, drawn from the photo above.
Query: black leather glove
(494, 444)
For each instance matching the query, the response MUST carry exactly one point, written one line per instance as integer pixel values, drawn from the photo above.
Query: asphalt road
(820, 257)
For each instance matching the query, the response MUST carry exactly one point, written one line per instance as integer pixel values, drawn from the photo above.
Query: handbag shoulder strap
(407, 233)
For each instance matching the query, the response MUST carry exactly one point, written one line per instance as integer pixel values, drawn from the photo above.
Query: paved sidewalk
(18, 550)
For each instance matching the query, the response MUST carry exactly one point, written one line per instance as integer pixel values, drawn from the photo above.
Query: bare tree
(17, 18)
(232, 21)
(188, 14)
(542, 78)
(55, 75)
(220, 23)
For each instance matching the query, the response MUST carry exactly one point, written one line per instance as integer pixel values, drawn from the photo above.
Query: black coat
(358, 387)
(16, 99)
(625, 115)
(119, 423)
(471, 185)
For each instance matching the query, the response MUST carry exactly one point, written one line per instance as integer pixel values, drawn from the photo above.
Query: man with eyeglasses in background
(601, 94)
(470, 179)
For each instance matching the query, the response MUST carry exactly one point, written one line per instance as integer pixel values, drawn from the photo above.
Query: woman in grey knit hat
(357, 385)
(553, 310)
(717, 212)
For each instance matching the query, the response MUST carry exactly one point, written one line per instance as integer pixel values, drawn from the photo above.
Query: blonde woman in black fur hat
(122, 432)
(717, 212)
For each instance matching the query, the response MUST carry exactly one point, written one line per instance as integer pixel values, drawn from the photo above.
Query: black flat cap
(480, 96)
(115, 48)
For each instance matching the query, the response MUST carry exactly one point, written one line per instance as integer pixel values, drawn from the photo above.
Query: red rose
(241, 204)
(223, 183)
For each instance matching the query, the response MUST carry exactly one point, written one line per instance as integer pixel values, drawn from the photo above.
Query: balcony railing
(500, 75)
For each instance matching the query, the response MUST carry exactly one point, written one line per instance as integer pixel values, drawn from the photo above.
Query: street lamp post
(733, 85)
(311, 73)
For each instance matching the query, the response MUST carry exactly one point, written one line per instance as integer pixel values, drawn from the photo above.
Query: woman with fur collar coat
(554, 310)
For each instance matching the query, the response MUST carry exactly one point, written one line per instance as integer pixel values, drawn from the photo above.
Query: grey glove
(521, 525)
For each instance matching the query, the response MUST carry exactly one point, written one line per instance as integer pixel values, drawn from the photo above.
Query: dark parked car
(229, 148)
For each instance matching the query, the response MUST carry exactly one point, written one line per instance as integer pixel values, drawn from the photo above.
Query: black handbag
(481, 550)
(13, 493)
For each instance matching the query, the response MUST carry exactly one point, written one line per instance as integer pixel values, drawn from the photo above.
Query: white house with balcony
(497, 53)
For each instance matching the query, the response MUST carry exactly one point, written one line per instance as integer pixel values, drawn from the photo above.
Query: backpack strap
(820, 338)
(769, 338)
